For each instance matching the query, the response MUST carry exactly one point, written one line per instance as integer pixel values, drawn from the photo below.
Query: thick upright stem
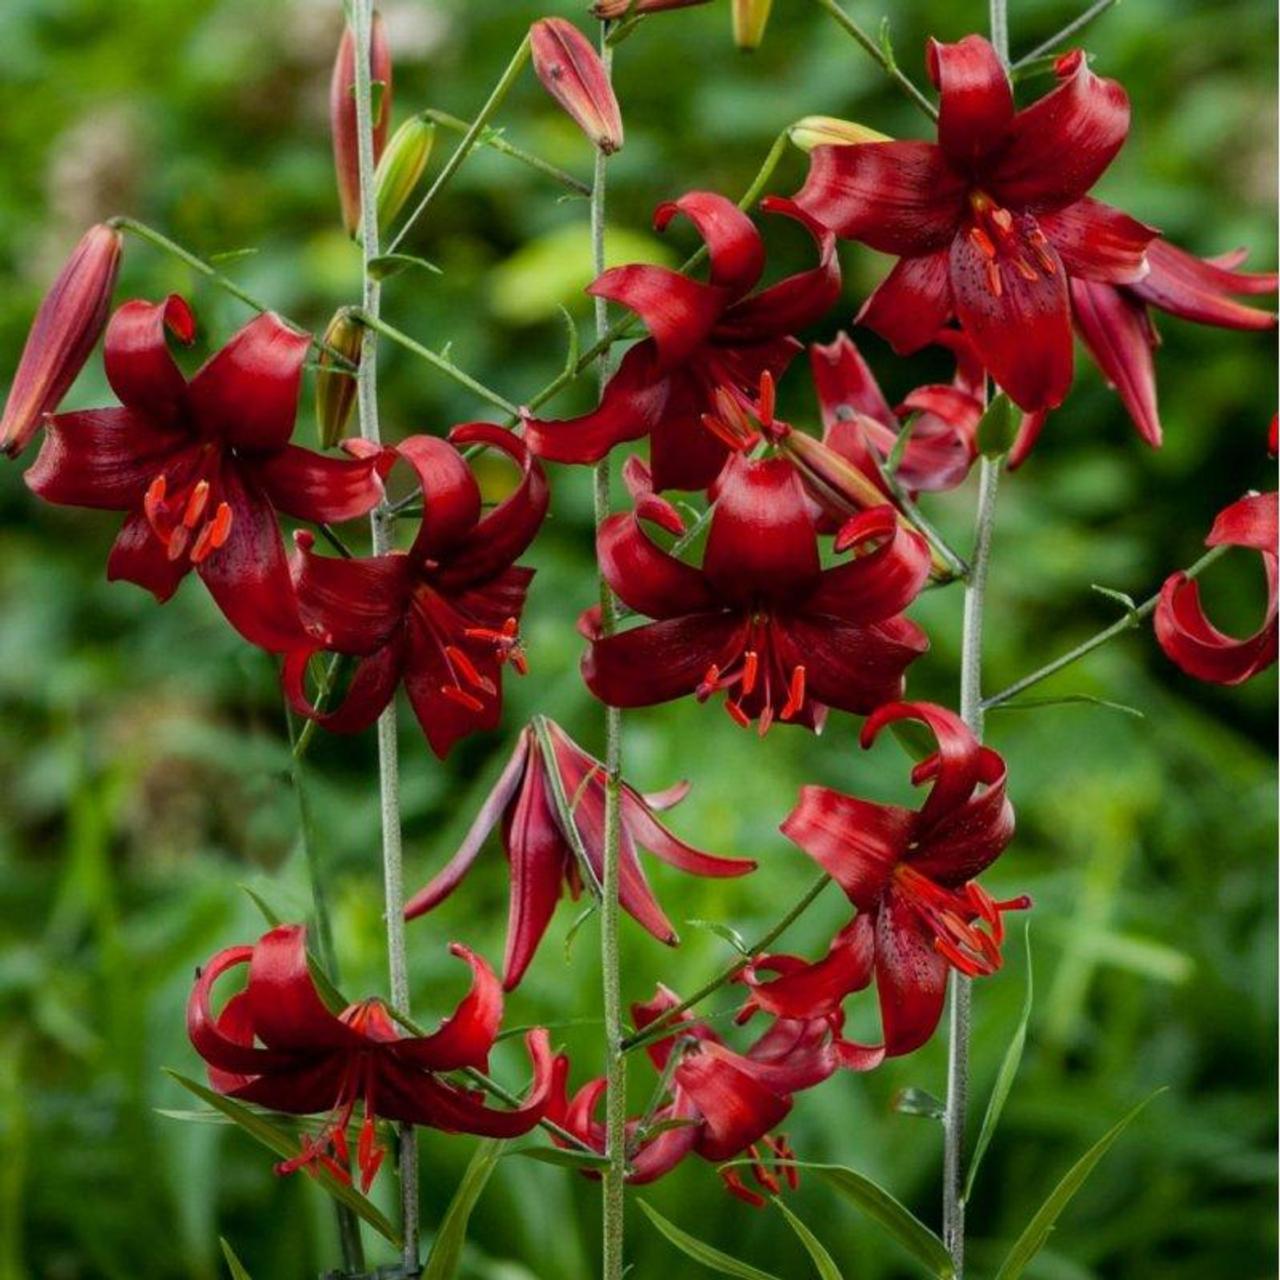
(382, 524)
(614, 1178)
(1000, 28)
(961, 992)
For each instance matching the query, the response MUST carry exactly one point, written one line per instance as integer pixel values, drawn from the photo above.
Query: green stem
(880, 56)
(999, 10)
(371, 320)
(1128, 622)
(1071, 29)
(469, 140)
(382, 524)
(498, 143)
(613, 1181)
(660, 1025)
(564, 807)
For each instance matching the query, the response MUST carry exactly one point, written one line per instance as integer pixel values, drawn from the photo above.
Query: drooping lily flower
(67, 326)
(571, 72)
(911, 874)
(202, 466)
(760, 621)
(1187, 635)
(721, 1104)
(277, 1044)
(444, 616)
(991, 222)
(703, 335)
(540, 850)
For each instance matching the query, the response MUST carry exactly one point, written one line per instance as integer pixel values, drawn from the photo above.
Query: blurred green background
(143, 755)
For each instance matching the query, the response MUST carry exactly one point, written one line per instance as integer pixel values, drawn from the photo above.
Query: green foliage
(710, 1257)
(445, 1255)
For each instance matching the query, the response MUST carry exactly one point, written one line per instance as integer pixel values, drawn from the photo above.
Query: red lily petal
(138, 364)
(1028, 433)
(1114, 325)
(1098, 242)
(309, 1086)
(794, 303)
(465, 1038)
(912, 302)
(354, 604)
(668, 797)
(234, 1023)
(877, 584)
(968, 839)
(898, 197)
(762, 543)
(977, 99)
(679, 312)
(683, 454)
(246, 395)
(650, 834)
(857, 843)
(846, 385)
(450, 495)
(658, 662)
(1060, 146)
(1198, 290)
(802, 1048)
(495, 805)
(942, 447)
(660, 1155)
(371, 688)
(645, 577)
(103, 458)
(221, 1041)
(1021, 326)
(911, 977)
(248, 576)
(737, 1109)
(505, 533)
(138, 556)
(811, 990)
(733, 243)
(311, 486)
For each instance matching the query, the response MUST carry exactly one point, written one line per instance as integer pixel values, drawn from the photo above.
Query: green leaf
(234, 1265)
(822, 1260)
(1004, 1078)
(574, 347)
(919, 1102)
(562, 1157)
(1031, 1241)
(269, 913)
(998, 427)
(1066, 700)
(386, 265)
(1120, 597)
(446, 1248)
(894, 460)
(730, 935)
(232, 255)
(571, 934)
(696, 1249)
(278, 1139)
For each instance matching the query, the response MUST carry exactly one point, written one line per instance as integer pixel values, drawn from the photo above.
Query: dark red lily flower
(540, 851)
(202, 466)
(443, 617)
(856, 417)
(760, 620)
(342, 115)
(66, 329)
(1115, 322)
(991, 222)
(277, 1044)
(1187, 635)
(704, 335)
(721, 1103)
(911, 876)
(571, 72)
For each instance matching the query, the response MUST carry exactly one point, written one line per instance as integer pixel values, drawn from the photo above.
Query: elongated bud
(342, 114)
(66, 328)
(830, 131)
(336, 385)
(750, 17)
(572, 73)
(401, 168)
(625, 8)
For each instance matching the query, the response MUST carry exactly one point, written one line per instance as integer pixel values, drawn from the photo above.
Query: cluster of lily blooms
(1001, 252)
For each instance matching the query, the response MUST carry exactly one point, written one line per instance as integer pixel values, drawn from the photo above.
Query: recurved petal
(466, 1036)
(679, 312)
(912, 302)
(650, 834)
(887, 572)
(737, 1109)
(812, 990)
(224, 1041)
(138, 556)
(322, 489)
(846, 385)
(898, 197)
(136, 356)
(733, 243)
(1200, 290)
(1098, 242)
(911, 977)
(964, 842)
(977, 99)
(354, 604)
(645, 577)
(371, 688)
(450, 495)
(1061, 145)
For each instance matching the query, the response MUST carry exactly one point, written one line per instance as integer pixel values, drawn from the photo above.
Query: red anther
(994, 282)
(724, 433)
(958, 958)
(338, 1137)
(768, 398)
(154, 498)
(369, 1171)
(177, 541)
(795, 695)
(1025, 269)
(983, 242)
(737, 715)
(519, 661)
(710, 683)
(461, 697)
(750, 669)
(468, 669)
(203, 545)
(333, 1167)
(196, 504)
(763, 1175)
(221, 526)
(766, 719)
(735, 1186)
(1003, 219)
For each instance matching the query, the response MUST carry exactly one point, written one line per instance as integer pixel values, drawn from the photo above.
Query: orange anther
(461, 697)
(750, 670)
(983, 243)
(795, 695)
(221, 526)
(196, 504)
(737, 715)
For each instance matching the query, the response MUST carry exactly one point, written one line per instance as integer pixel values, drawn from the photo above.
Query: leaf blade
(234, 1265)
(699, 1251)
(446, 1249)
(823, 1262)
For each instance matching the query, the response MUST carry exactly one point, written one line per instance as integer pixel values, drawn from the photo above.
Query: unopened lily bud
(401, 167)
(750, 17)
(829, 131)
(342, 115)
(335, 382)
(66, 328)
(626, 8)
(572, 73)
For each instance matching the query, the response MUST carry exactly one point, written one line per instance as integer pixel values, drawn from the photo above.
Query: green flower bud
(750, 17)
(401, 168)
(336, 383)
(828, 131)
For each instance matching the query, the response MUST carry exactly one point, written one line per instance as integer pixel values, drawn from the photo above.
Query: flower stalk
(381, 526)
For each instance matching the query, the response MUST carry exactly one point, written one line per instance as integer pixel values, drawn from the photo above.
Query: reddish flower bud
(65, 330)
(342, 115)
(625, 8)
(572, 73)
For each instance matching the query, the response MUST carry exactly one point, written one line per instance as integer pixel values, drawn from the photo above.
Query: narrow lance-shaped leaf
(446, 1248)
(562, 1157)
(234, 1265)
(824, 1263)
(710, 1257)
